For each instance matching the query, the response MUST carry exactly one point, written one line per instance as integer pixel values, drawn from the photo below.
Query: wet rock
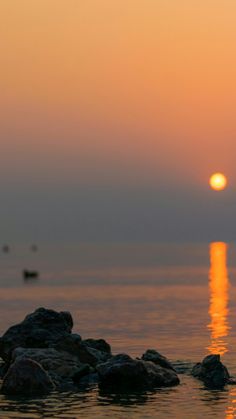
(211, 371)
(98, 356)
(69, 343)
(88, 380)
(38, 330)
(87, 351)
(157, 358)
(26, 377)
(81, 372)
(123, 373)
(63, 368)
(99, 344)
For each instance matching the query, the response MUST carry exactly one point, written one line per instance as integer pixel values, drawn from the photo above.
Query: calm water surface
(178, 299)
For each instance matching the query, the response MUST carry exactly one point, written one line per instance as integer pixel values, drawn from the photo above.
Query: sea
(179, 299)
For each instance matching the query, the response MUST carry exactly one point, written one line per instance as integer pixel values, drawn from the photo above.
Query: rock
(69, 343)
(157, 358)
(26, 377)
(85, 353)
(123, 373)
(91, 356)
(88, 380)
(212, 372)
(98, 356)
(99, 344)
(63, 368)
(40, 329)
(81, 372)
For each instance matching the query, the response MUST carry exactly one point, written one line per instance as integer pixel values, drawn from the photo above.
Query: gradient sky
(113, 115)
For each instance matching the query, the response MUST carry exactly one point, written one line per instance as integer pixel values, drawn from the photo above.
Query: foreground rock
(123, 373)
(64, 369)
(98, 344)
(83, 350)
(26, 377)
(212, 372)
(157, 358)
(42, 353)
(40, 329)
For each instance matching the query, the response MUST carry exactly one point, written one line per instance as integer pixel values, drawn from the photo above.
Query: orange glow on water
(231, 408)
(218, 181)
(219, 285)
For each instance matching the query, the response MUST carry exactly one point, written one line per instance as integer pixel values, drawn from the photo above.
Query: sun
(218, 181)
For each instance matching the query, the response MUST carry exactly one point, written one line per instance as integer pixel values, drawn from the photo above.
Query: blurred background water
(177, 299)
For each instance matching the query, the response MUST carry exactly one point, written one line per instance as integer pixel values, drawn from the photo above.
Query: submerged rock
(157, 358)
(212, 372)
(123, 373)
(38, 330)
(26, 377)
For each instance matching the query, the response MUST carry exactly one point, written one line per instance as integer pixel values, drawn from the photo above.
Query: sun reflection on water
(231, 409)
(218, 310)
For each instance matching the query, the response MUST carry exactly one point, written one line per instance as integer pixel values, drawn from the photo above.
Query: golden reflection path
(231, 408)
(218, 310)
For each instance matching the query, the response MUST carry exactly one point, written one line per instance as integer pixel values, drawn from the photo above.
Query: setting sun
(218, 181)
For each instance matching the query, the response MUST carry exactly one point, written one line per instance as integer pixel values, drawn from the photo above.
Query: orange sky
(113, 115)
(139, 87)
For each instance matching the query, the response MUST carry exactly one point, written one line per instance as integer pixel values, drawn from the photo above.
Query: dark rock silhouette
(91, 355)
(212, 372)
(26, 377)
(42, 351)
(123, 373)
(63, 368)
(157, 358)
(85, 353)
(40, 329)
(99, 344)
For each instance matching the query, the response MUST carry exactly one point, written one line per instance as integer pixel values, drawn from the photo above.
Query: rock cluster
(122, 372)
(41, 354)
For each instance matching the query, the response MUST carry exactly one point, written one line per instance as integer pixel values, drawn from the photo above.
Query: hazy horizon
(113, 115)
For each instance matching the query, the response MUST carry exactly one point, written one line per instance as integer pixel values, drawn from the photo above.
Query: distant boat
(30, 274)
(5, 248)
(34, 248)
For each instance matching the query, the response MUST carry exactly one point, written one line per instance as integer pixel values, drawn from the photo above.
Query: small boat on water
(30, 274)
(5, 248)
(34, 248)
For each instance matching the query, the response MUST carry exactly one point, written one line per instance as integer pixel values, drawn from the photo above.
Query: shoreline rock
(43, 350)
(157, 358)
(63, 368)
(26, 377)
(212, 372)
(39, 329)
(124, 373)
